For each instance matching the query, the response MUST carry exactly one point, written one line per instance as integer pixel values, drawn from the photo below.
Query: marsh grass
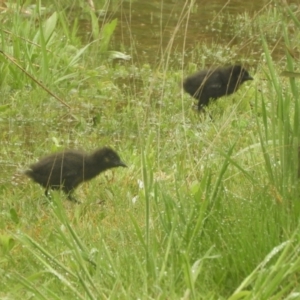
(208, 208)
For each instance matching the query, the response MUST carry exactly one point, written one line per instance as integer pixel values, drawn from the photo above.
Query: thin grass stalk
(33, 246)
(222, 171)
(202, 212)
(263, 138)
(296, 123)
(147, 212)
(32, 287)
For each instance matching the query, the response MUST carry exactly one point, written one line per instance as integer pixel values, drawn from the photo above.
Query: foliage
(208, 208)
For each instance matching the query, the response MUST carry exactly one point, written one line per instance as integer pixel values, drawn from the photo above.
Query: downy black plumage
(214, 83)
(66, 170)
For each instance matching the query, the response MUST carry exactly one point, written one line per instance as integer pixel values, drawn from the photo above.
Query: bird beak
(121, 164)
(248, 78)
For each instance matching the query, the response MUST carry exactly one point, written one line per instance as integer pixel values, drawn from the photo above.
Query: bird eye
(111, 156)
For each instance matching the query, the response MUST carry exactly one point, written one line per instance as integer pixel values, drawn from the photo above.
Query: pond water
(147, 28)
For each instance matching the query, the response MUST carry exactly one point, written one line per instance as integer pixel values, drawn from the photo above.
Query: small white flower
(140, 184)
(134, 199)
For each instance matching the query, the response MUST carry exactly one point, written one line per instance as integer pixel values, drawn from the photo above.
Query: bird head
(110, 158)
(241, 73)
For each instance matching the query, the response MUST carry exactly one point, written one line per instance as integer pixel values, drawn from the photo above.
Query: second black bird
(66, 170)
(215, 83)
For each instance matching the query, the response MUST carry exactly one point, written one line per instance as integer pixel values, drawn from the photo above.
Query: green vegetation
(209, 206)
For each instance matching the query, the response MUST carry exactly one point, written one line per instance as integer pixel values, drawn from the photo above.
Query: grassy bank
(209, 206)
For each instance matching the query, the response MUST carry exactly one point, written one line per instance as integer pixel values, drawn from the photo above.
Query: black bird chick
(215, 83)
(66, 170)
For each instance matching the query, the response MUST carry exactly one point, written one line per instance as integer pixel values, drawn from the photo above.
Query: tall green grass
(208, 208)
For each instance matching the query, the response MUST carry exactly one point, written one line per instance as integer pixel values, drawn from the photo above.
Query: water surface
(148, 28)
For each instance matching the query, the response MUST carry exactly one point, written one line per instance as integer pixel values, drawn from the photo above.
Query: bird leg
(72, 198)
(47, 194)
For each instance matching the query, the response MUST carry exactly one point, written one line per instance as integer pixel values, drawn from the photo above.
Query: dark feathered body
(66, 170)
(215, 83)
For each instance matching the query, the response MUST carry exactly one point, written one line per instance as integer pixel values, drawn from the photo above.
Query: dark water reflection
(147, 27)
